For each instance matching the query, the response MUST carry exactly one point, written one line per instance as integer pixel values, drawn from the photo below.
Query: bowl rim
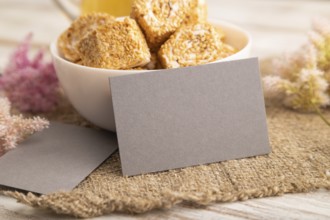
(55, 53)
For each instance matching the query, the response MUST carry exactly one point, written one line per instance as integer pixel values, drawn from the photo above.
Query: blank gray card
(56, 159)
(189, 116)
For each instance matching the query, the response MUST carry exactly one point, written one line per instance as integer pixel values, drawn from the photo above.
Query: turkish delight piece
(192, 45)
(80, 28)
(159, 19)
(117, 45)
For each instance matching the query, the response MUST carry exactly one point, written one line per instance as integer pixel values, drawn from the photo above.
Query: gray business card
(189, 116)
(56, 159)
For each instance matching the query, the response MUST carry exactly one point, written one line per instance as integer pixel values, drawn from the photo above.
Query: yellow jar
(114, 7)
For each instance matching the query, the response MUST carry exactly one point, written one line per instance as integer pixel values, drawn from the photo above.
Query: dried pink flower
(14, 129)
(30, 84)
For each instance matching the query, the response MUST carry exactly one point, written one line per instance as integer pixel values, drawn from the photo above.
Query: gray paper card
(189, 116)
(56, 159)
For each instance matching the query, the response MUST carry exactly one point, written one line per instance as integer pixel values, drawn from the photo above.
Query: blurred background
(275, 25)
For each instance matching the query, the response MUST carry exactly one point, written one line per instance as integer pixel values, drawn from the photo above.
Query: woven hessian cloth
(299, 162)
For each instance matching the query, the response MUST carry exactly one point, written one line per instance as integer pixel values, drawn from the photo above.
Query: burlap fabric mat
(300, 162)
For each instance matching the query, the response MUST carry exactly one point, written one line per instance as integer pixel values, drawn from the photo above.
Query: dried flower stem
(318, 111)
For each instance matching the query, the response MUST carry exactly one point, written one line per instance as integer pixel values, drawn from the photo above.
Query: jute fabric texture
(299, 162)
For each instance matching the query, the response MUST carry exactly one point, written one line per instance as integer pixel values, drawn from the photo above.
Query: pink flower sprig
(30, 84)
(14, 128)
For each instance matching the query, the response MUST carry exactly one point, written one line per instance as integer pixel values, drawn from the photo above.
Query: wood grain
(314, 205)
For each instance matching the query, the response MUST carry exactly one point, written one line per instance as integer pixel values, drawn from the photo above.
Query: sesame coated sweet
(160, 34)
(154, 62)
(199, 13)
(193, 44)
(82, 26)
(116, 45)
(159, 19)
(221, 33)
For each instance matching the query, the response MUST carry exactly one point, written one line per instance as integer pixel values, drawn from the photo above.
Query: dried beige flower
(320, 38)
(301, 79)
(14, 128)
(308, 92)
(273, 87)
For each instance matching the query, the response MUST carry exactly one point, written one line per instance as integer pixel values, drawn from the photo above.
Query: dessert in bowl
(86, 84)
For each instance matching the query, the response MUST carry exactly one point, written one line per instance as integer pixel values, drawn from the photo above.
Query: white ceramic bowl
(88, 88)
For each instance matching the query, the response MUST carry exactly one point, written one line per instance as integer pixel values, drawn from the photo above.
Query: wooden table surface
(275, 25)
